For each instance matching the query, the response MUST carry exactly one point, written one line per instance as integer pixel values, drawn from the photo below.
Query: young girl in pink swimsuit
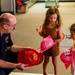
(72, 31)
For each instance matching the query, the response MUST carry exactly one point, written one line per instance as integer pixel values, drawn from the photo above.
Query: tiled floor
(15, 73)
(67, 42)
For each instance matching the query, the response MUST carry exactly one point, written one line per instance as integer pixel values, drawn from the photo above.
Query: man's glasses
(12, 26)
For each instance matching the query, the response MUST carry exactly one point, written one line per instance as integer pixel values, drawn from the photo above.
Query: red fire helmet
(46, 43)
(66, 58)
(30, 57)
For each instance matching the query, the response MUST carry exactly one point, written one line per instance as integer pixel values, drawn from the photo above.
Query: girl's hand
(39, 29)
(56, 41)
(73, 46)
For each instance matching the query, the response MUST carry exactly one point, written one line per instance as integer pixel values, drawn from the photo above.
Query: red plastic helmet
(46, 43)
(30, 57)
(66, 58)
(19, 3)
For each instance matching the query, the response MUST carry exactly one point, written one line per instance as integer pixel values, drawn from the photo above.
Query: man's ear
(5, 26)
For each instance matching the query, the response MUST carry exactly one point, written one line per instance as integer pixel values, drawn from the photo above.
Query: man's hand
(22, 66)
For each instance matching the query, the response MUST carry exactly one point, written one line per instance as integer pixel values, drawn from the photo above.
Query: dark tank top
(54, 51)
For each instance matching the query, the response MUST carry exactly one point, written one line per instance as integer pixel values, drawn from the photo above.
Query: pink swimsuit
(73, 64)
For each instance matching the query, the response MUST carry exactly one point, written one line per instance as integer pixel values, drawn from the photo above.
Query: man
(8, 51)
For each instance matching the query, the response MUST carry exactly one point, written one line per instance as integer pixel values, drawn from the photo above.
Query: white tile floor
(19, 73)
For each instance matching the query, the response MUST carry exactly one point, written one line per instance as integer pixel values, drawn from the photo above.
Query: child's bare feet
(45, 74)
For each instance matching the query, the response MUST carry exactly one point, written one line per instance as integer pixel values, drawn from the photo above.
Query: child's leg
(74, 73)
(46, 60)
(54, 61)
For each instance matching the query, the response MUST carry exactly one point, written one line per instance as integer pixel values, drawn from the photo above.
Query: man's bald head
(10, 17)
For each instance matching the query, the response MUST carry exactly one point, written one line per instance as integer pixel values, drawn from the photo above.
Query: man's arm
(5, 64)
(15, 48)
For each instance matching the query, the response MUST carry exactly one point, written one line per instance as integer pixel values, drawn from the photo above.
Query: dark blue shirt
(5, 41)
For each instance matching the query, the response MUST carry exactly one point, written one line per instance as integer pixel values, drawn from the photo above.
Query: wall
(8, 6)
(67, 0)
(59, 0)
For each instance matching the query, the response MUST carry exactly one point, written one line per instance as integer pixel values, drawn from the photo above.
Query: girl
(52, 27)
(72, 31)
